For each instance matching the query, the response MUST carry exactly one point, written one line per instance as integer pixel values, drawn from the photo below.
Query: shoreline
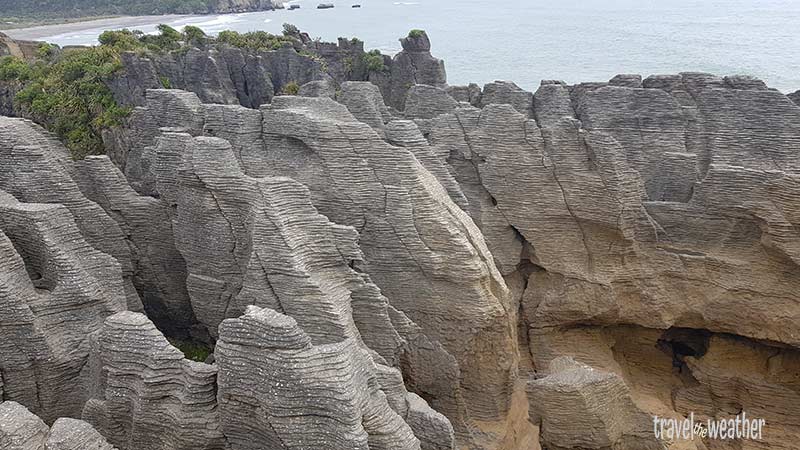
(37, 32)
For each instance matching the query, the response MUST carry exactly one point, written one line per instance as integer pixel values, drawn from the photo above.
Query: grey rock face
(226, 75)
(417, 243)
(795, 97)
(35, 168)
(651, 178)
(20, 429)
(57, 289)
(468, 94)
(72, 434)
(506, 92)
(328, 390)
(159, 270)
(146, 395)
(413, 65)
(365, 103)
(323, 88)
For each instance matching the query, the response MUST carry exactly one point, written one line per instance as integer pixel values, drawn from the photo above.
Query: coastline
(37, 32)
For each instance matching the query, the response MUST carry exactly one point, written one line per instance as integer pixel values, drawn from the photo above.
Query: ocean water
(529, 40)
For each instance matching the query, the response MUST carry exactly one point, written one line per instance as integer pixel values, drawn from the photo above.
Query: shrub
(14, 69)
(165, 83)
(374, 61)
(194, 36)
(290, 30)
(415, 33)
(70, 98)
(193, 351)
(254, 40)
(291, 88)
(122, 40)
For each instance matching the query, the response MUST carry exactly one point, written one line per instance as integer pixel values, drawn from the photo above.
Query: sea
(526, 41)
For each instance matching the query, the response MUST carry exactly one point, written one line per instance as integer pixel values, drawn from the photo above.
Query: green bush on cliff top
(69, 97)
(66, 92)
(415, 33)
(374, 61)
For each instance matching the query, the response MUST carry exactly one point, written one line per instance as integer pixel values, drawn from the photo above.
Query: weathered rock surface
(55, 290)
(795, 97)
(159, 270)
(581, 407)
(417, 242)
(35, 168)
(309, 395)
(227, 75)
(506, 92)
(413, 65)
(145, 394)
(20, 429)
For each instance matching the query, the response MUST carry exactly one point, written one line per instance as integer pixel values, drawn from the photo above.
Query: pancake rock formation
(388, 262)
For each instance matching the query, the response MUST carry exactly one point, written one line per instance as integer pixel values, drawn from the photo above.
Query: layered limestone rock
(309, 395)
(36, 168)
(365, 103)
(795, 97)
(20, 429)
(417, 244)
(617, 198)
(413, 65)
(581, 407)
(145, 394)
(225, 75)
(506, 92)
(55, 290)
(159, 270)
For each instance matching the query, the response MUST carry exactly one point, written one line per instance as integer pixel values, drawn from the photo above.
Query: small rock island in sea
(257, 242)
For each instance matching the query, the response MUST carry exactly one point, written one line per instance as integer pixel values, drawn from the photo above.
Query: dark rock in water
(293, 7)
(356, 6)
(325, 6)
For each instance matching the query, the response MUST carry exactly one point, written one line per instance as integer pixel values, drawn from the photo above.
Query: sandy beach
(39, 32)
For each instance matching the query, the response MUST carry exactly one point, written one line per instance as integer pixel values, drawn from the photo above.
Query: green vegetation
(291, 88)
(254, 40)
(68, 95)
(415, 33)
(290, 30)
(194, 351)
(66, 92)
(374, 61)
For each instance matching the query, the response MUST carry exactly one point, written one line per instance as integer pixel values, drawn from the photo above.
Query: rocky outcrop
(56, 290)
(416, 242)
(145, 394)
(506, 92)
(309, 396)
(581, 407)
(36, 168)
(159, 270)
(225, 75)
(795, 97)
(413, 65)
(20, 429)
